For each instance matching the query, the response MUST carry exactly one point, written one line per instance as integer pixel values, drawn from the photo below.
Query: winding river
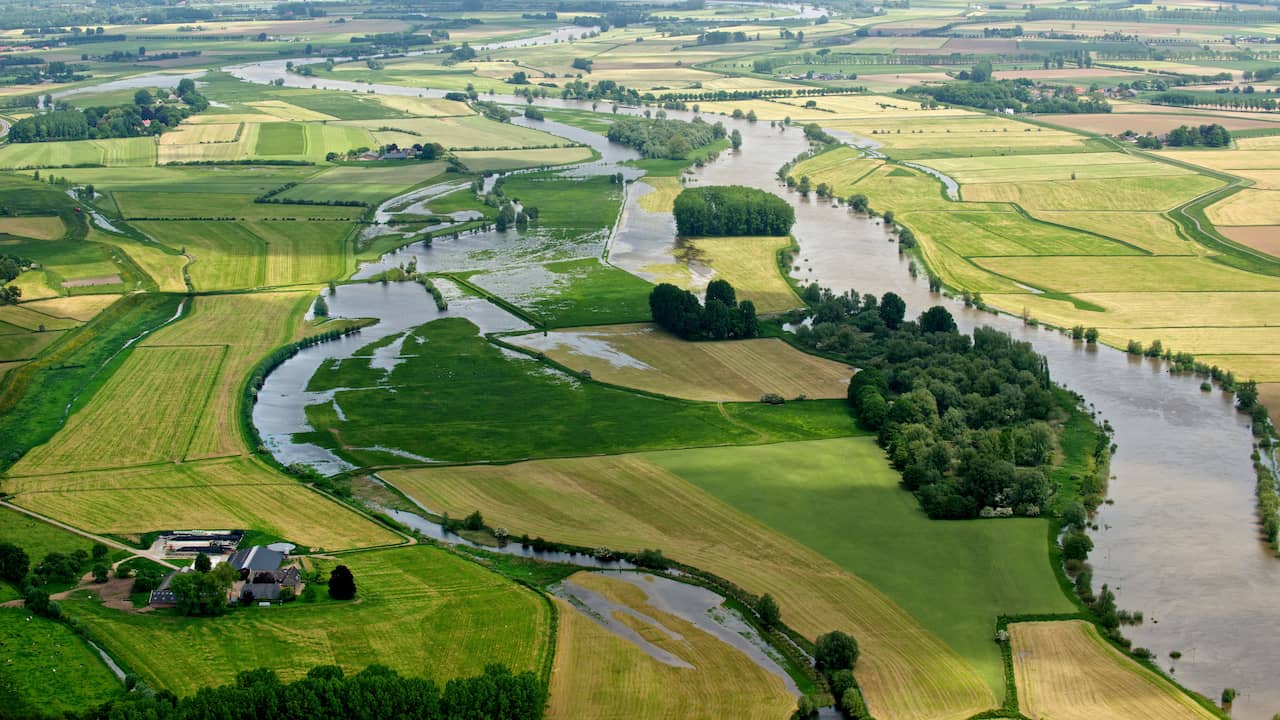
(1178, 538)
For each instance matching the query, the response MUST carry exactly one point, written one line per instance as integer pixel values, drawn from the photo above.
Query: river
(1178, 538)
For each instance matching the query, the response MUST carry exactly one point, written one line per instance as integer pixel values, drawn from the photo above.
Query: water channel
(1178, 539)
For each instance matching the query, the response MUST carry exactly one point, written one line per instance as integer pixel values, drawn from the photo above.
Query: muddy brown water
(1178, 539)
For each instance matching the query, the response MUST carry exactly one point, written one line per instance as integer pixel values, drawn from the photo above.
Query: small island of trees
(663, 138)
(732, 210)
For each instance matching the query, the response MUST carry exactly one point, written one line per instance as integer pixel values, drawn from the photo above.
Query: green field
(38, 538)
(49, 669)
(572, 292)
(421, 611)
(365, 184)
(466, 385)
(842, 499)
(474, 132)
(193, 205)
(276, 139)
(119, 152)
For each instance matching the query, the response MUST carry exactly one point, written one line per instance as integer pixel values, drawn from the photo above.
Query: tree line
(732, 210)
(664, 138)
(721, 317)
(1017, 95)
(374, 693)
(962, 417)
(143, 117)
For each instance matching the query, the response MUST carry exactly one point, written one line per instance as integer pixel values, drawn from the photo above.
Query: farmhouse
(262, 576)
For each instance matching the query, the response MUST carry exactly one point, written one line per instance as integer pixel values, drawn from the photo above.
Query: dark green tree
(767, 609)
(14, 563)
(937, 319)
(342, 584)
(892, 310)
(835, 651)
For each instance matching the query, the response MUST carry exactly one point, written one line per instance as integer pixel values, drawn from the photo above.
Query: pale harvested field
(188, 134)
(461, 132)
(1142, 123)
(1150, 231)
(1269, 395)
(663, 197)
(233, 118)
(1058, 166)
(1259, 237)
(598, 675)
(28, 319)
(642, 356)
(1139, 194)
(227, 493)
(1066, 671)
(234, 148)
(1201, 341)
(146, 412)
(485, 160)
(424, 107)
(38, 228)
(1149, 309)
(1128, 274)
(1247, 207)
(248, 327)
(289, 111)
(163, 267)
(82, 308)
(629, 503)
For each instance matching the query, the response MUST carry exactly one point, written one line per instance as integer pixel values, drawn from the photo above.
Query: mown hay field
(486, 160)
(1150, 231)
(25, 345)
(960, 272)
(289, 111)
(839, 169)
(1057, 166)
(1263, 368)
(749, 264)
(1066, 671)
(37, 228)
(628, 502)
(902, 190)
(1247, 207)
(1115, 123)
(663, 197)
(185, 144)
(221, 493)
(978, 234)
(119, 428)
(421, 611)
(1135, 194)
(425, 107)
(161, 263)
(599, 675)
(460, 132)
(188, 134)
(1253, 342)
(242, 180)
(1128, 274)
(116, 152)
(29, 318)
(79, 307)
(642, 356)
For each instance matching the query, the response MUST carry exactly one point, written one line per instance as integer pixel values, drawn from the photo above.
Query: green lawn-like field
(841, 498)
(978, 234)
(197, 205)
(450, 398)
(38, 538)
(276, 139)
(420, 610)
(365, 184)
(572, 293)
(460, 132)
(48, 668)
(249, 180)
(117, 152)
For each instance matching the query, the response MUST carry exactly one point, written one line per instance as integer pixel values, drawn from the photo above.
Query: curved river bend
(1178, 540)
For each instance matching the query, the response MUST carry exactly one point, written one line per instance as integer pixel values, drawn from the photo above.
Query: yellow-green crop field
(118, 152)
(840, 169)
(1247, 207)
(1136, 194)
(1060, 166)
(748, 263)
(38, 228)
(1150, 231)
(979, 234)
(482, 161)
(1129, 274)
(1065, 670)
(598, 675)
(143, 204)
(456, 132)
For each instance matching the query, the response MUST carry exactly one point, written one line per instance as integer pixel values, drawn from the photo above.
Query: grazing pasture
(370, 184)
(420, 610)
(599, 675)
(1066, 671)
(220, 493)
(143, 204)
(50, 669)
(628, 502)
(646, 358)
(237, 255)
(571, 292)
(38, 538)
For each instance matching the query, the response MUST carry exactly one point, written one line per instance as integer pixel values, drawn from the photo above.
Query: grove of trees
(678, 311)
(663, 138)
(732, 210)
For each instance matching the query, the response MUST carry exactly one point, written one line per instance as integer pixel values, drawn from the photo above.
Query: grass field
(1247, 207)
(50, 669)
(598, 675)
(986, 234)
(280, 139)
(367, 184)
(250, 180)
(1066, 671)
(146, 204)
(161, 263)
(1059, 166)
(38, 228)
(474, 132)
(748, 263)
(450, 373)
(119, 152)
(80, 307)
(839, 169)
(630, 502)
(421, 611)
(1152, 232)
(1128, 274)
(1135, 194)
(663, 197)
(571, 292)
(238, 255)
(643, 357)
(487, 160)
(38, 538)
(222, 493)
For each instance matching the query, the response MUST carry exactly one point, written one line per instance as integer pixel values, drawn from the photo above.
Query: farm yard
(329, 279)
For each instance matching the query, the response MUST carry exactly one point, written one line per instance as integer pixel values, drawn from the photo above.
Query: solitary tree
(892, 310)
(836, 651)
(342, 585)
(321, 307)
(202, 563)
(768, 611)
(937, 319)
(14, 563)
(735, 138)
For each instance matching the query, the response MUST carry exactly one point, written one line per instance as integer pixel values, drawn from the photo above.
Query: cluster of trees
(721, 317)
(327, 692)
(11, 266)
(835, 655)
(1019, 95)
(664, 138)
(1213, 135)
(962, 417)
(56, 568)
(204, 591)
(732, 210)
(143, 117)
